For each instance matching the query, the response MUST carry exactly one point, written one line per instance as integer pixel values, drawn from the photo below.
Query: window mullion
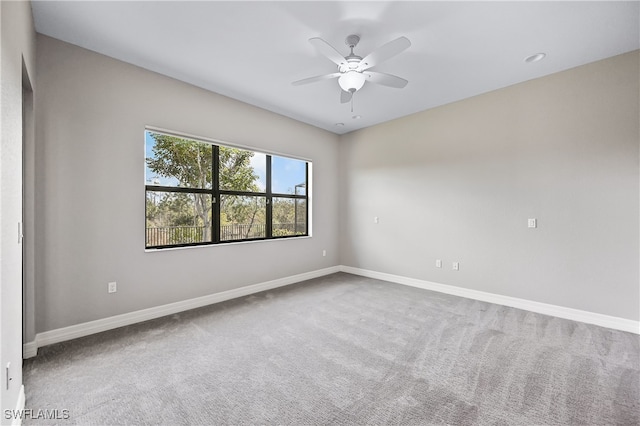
(215, 188)
(269, 213)
(306, 197)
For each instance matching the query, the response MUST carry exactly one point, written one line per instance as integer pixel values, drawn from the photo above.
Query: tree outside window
(201, 193)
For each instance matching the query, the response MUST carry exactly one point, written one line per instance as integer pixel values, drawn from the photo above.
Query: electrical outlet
(532, 223)
(376, 219)
(324, 253)
(456, 266)
(438, 263)
(113, 287)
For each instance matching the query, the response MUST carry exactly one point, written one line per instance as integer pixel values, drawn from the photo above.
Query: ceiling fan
(353, 70)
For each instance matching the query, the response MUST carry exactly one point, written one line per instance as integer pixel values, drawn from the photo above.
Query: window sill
(232, 243)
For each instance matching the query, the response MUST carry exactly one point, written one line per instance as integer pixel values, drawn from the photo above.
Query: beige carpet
(343, 349)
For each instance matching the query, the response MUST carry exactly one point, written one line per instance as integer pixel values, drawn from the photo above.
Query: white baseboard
(17, 420)
(30, 349)
(541, 308)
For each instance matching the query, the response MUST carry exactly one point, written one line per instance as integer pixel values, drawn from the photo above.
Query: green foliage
(246, 213)
(175, 209)
(236, 173)
(185, 218)
(283, 210)
(184, 235)
(289, 217)
(282, 232)
(187, 161)
(175, 218)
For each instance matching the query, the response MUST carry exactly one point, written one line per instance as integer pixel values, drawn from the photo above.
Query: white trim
(529, 305)
(17, 420)
(80, 330)
(29, 349)
(230, 243)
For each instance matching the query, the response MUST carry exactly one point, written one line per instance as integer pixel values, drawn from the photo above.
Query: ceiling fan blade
(316, 78)
(386, 79)
(327, 50)
(345, 97)
(384, 52)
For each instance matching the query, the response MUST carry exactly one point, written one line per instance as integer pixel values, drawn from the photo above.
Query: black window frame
(216, 193)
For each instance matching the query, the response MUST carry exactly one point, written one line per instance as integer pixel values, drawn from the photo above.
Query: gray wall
(460, 181)
(18, 46)
(91, 115)
(456, 183)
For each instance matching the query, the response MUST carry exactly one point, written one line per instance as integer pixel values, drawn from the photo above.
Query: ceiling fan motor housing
(352, 63)
(352, 59)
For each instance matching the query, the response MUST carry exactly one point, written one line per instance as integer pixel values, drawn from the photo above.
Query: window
(202, 193)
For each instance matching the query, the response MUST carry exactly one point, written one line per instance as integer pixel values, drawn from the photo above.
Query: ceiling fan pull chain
(352, 96)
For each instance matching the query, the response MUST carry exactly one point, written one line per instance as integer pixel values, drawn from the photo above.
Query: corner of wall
(18, 47)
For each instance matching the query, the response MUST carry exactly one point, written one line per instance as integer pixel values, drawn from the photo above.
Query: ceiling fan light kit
(351, 73)
(351, 81)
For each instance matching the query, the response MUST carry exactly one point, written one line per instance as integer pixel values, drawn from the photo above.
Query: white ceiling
(252, 51)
